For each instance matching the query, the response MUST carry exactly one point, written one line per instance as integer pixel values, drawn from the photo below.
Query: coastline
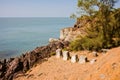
(9, 68)
(18, 67)
(19, 35)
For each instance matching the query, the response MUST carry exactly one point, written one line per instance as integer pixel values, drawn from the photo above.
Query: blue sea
(19, 35)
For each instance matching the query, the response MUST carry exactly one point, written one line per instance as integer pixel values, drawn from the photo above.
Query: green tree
(109, 3)
(90, 6)
(105, 25)
(87, 6)
(73, 16)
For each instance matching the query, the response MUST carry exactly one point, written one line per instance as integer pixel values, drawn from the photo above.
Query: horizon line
(34, 17)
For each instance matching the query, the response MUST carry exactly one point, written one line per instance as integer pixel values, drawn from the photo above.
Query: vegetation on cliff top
(104, 30)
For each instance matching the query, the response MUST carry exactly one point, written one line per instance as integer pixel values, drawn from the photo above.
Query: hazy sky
(38, 8)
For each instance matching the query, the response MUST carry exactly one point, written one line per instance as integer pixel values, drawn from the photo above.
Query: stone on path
(74, 58)
(105, 50)
(82, 59)
(58, 53)
(66, 55)
(95, 54)
(92, 61)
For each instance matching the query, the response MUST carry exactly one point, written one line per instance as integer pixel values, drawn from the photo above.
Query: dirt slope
(107, 67)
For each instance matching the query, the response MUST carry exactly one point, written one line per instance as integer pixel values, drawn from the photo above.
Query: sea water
(19, 35)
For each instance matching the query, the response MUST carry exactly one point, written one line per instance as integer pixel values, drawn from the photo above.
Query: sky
(39, 8)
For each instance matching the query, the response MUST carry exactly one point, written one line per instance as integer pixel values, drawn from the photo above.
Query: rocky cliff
(71, 33)
(10, 68)
(79, 29)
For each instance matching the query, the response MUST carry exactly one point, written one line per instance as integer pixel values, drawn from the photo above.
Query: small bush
(65, 49)
(52, 53)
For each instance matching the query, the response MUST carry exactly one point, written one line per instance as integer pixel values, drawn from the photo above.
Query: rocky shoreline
(10, 68)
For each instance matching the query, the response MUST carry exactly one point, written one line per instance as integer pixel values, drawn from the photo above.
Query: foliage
(105, 26)
(76, 45)
(73, 16)
(52, 53)
(109, 3)
(87, 6)
(87, 44)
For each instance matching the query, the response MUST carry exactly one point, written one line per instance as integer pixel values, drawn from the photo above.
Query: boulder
(53, 40)
(24, 59)
(66, 55)
(92, 61)
(58, 53)
(13, 67)
(95, 54)
(82, 59)
(104, 50)
(2, 68)
(74, 58)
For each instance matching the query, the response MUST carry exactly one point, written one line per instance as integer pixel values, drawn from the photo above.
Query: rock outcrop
(71, 33)
(79, 29)
(9, 68)
(53, 40)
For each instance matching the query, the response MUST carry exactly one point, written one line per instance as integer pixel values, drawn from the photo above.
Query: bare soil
(107, 67)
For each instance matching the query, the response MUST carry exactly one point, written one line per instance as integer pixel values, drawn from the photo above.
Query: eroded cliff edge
(10, 68)
(78, 30)
(71, 33)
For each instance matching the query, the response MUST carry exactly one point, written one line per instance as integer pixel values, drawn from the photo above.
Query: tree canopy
(90, 6)
(104, 31)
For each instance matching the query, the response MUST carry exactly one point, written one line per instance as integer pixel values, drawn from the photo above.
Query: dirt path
(107, 67)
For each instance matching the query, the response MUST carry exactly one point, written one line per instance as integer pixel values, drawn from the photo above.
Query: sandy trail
(107, 67)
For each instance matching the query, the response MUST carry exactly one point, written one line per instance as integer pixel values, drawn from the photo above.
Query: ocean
(19, 35)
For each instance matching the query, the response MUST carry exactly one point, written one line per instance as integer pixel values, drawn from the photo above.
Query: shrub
(75, 45)
(52, 53)
(87, 44)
